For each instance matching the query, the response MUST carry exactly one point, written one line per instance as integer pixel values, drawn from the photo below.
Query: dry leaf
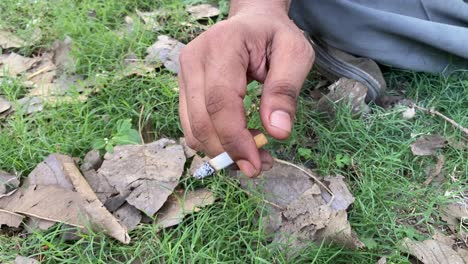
(8, 183)
(344, 91)
(135, 67)
(149, 172)
(151, 19)
(13, 64)
(432, 251)
(302, 209)
(165, 50)
(4, 105)
(25, 260)
(435, 171)
(382, 260)
(33, 224)
(10, 219)
(128, 216)
(203, 11)
(61, 57)
(409, 113)
(9, 40)
(55, 203)
(31, 104)
(455, 214)
(428, 145)
(178, 205)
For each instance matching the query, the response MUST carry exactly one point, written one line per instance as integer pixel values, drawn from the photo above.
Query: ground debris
(25, 260)
(5, 105)
(456, 216)
(435, 171)
(128, 216)
(8, 183)
(133, 66)
(8, 40)
(13, 64)
(179, 204)
(203, 11)
(431, 251)
(428, 145)
(153, 20)
(144, 174)
(165, 50)
(305, 210)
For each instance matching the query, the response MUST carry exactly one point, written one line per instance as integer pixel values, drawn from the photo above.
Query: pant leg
(421, 35)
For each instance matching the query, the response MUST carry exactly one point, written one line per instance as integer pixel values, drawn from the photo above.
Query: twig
(432, 111)
(140, 126)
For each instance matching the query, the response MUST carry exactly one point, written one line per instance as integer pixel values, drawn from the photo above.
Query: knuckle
(215, 102)
(199, 130)
(285, 89)
(192, 142)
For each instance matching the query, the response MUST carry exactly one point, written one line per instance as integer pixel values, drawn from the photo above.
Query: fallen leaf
(8, 183)
(178, 205)
(436, 170)
(344, 91)
(44, 70)
(151, 19)
(9, 40)
(10, 219)
(31, 104)
(149, 172)
(128, 216)
(303, 210)
(428, 145)
(61, 57)
(448, 240)
(34, 224)
(13, 64)
(165, 50)
(133, 66)
(4, 105)
(455, 214)
(203, 11)
(431, 251)
(76, 207)
(25, 260)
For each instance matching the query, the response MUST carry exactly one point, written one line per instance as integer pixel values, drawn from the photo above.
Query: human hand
(254, 43)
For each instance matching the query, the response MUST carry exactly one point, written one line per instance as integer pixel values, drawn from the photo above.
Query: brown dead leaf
(92, 162)
(10, 219)
(133, 66)
(149, 173)
(31, 105)
(203, 11)
(152, 19)
(165, 50)
(428, 145)
(8, 183)
(128, 216)
(13, 64)
(4, 105)
(8, 40)
(25, 260)
(62, 58)
(75, 204)
(435, 171)
(431, 251)
(455, 214)
(304, 209)
(178, 205)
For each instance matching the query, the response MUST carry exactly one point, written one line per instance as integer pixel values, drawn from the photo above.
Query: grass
(384, 176)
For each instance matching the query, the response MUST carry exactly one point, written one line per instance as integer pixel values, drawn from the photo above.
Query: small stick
(140, 126)
(437, 113)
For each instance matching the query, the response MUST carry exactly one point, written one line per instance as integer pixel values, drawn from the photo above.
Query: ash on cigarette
(205, 170)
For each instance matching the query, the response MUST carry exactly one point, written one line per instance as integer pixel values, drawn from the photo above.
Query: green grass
(384, 176)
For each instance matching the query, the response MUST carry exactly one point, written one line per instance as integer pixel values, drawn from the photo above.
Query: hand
(215, 69)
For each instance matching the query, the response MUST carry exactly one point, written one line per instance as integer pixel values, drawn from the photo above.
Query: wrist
(261, 7)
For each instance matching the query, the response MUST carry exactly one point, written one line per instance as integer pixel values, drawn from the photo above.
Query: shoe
(335, 64)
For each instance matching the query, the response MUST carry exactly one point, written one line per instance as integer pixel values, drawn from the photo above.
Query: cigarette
(223, 160)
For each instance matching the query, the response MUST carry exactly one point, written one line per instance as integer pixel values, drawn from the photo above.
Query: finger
(267, 160)
(290, 62)
(201, 128)
(225, 79)
(192, 142)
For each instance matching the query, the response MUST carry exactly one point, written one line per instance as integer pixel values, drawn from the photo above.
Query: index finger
(225, 84)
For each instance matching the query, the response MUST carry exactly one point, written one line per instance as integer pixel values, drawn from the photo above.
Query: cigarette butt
(260, 140)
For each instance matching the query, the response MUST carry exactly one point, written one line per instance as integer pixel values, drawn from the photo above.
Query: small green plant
(305, 153)
(342, 160)
(124, 135)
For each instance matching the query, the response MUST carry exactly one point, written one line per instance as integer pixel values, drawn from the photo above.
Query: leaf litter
(428, 145)
(165, 50)
(203, 11)
(306, 208)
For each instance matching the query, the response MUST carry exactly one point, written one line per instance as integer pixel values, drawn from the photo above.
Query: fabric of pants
(421, 35)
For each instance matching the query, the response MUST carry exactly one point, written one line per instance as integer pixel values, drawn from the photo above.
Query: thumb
(289, 64)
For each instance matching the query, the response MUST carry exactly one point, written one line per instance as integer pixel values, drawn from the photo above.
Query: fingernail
(247, 168)
(266, 166)
(280, 119)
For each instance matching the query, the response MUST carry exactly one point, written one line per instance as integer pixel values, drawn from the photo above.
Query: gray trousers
(420, 35)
